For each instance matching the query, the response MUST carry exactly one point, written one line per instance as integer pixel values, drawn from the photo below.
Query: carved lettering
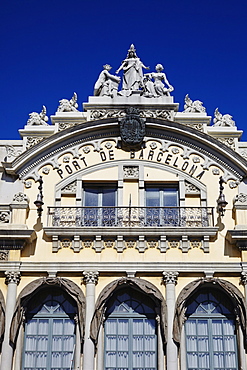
(111, 155)
(200, 175)
(103, 156)
(151, 155)
(141, 154)
(175, 162)
(132, 155)
(84, 161)
(76, 165)
(185, 165)
(159, 156)
(192, 170)
(68, 169)
(60, 172)
(168, 158)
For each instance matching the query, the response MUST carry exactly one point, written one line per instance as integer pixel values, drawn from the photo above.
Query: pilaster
(170, 280)
(90, 279)
(12, 280)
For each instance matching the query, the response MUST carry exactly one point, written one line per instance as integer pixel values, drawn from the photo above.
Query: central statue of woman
(133, 75)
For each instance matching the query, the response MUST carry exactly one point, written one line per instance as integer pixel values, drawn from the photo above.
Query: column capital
(170, 277)
(243, 278)
(12, 277)
(90, 277)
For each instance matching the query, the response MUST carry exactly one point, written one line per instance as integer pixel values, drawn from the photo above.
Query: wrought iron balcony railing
(130, 216)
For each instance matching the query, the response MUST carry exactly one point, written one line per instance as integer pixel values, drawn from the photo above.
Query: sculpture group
(150, 85)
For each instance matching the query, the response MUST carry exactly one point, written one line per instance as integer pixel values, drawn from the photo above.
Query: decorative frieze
(96, 114)
(170, 277)
(12, 277)
(90, 277)
(131, 172)
(31, 141)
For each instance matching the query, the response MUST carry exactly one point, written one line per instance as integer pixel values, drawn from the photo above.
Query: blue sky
(51, 48)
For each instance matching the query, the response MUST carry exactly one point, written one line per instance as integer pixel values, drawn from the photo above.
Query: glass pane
(152, 197)
(91, 197)
(170, 197)
(108, 197)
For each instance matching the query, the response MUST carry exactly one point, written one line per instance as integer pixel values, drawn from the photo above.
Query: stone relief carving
(170, 277)
(28, 184)
(109, 243)
(4, 255)
(195, 243)
(191, 188)
(38, 119)
(132, 73)
(131, 172)
(240, 199)
(197, 126)
(70, 188)
(20, 198)
(216, 171)
(66, 105)
(4, 217)
(158, 87)
(193, 106)
(243, 153)
(88, 243)
(228, 141)
(221, 120)
(12, 151)
(118, 113)
(152, 243)
(90, 277)
(12, 277)
(65, 243)
(130, 243)
(107, 84)
(31, 141)
(46, 170)
(63, 125)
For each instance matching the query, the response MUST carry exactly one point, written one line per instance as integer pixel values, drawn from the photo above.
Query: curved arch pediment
(165, 141)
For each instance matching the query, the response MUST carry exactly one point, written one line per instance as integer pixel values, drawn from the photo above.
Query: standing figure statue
(133, 75)
(107, 84)
(159, 88)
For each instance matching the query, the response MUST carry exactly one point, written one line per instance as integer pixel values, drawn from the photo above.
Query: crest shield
(132, 128)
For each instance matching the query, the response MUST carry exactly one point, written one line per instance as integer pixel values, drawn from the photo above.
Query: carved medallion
(132, 128)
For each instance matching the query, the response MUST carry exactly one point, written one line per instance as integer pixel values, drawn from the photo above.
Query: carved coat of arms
(132, 128)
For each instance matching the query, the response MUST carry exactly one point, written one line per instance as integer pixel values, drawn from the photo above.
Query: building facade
(123, 233)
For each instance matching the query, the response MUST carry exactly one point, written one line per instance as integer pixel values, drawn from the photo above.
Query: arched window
(49, 341)
(130, 332)
(211, 331)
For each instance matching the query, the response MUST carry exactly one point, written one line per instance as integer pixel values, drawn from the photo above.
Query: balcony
(122, 226)
(130, 217)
